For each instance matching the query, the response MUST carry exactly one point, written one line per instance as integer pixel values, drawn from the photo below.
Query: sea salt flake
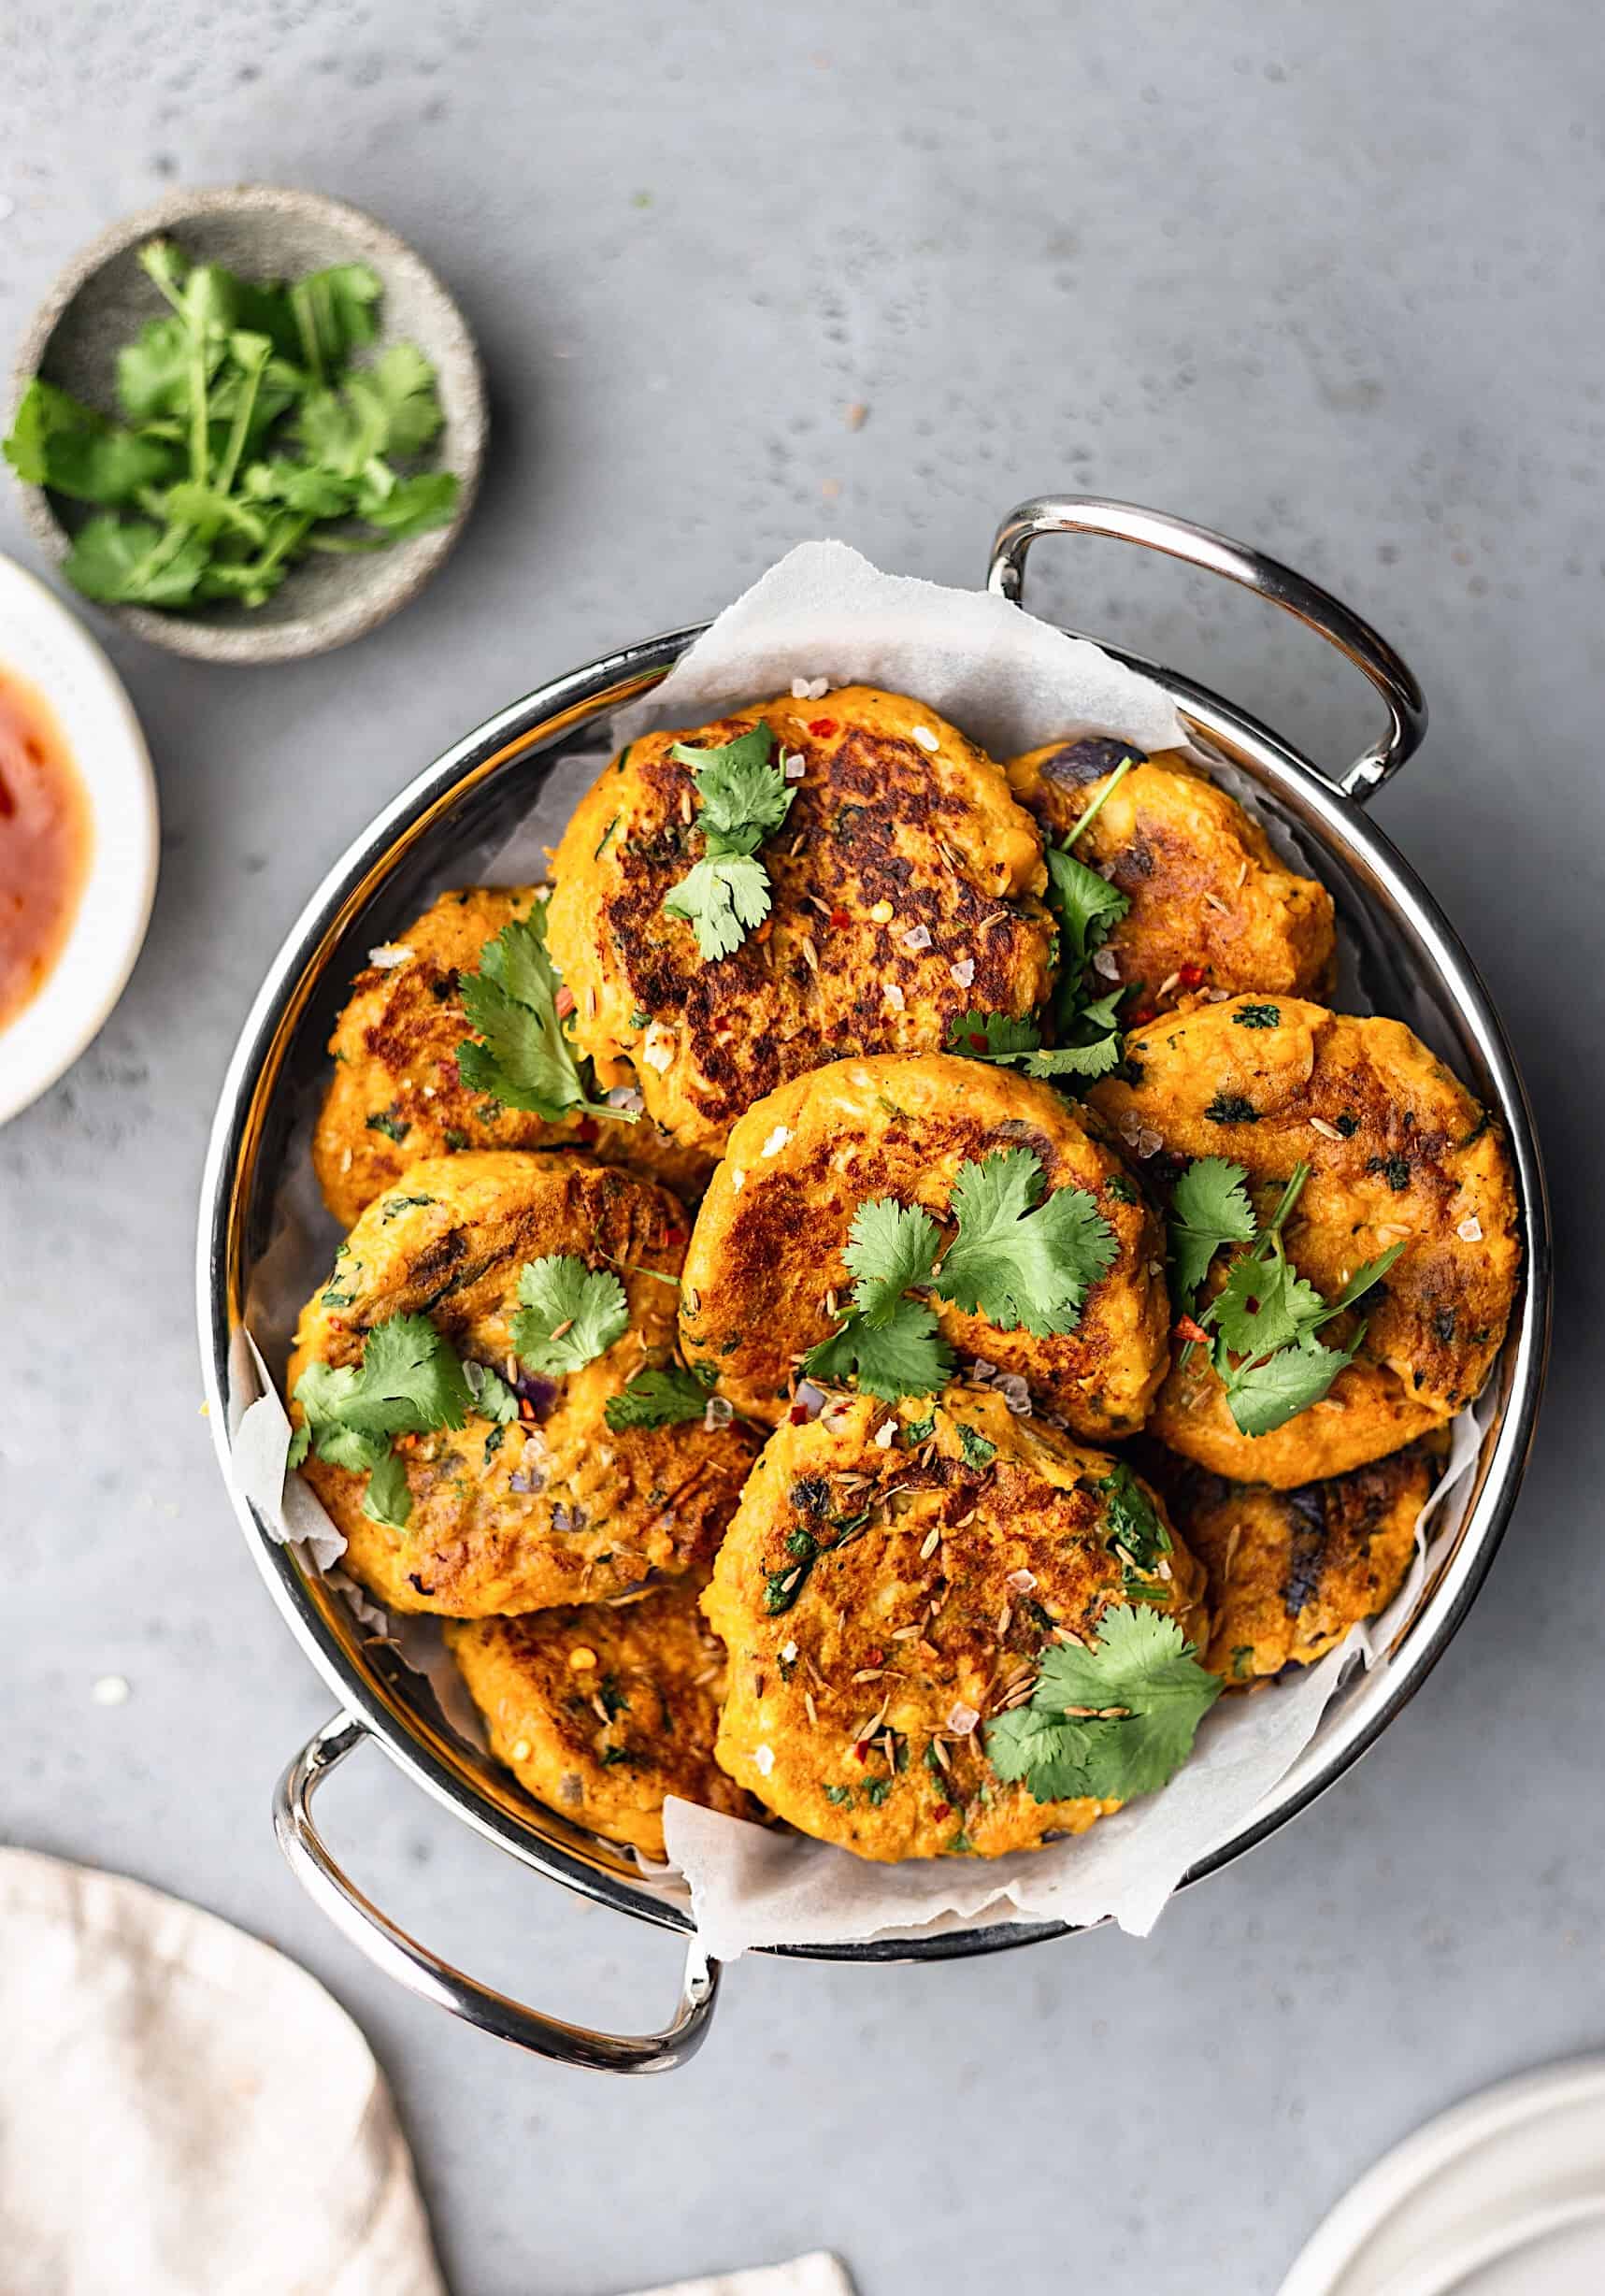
(390, 954)
(963, 972)
(892, 993)
(1149, 1142)
(1021, 1582)
(918, 939)
(1108, 963)
(925, 736)
(1470, 1231)
(718, 1413)
(884, 1434)
(776, 1141)
(764, 1760)
(795, 765)
(961, 1720)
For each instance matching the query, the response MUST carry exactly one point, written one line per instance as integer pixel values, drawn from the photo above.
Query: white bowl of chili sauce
(77, 838)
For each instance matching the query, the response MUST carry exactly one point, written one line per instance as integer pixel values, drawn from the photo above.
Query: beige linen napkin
(185, 2113)
(182, 2111)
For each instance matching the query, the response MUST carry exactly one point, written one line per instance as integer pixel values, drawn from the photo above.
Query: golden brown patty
(559, 1508)
(396, 1093)
(860, 1681)
(1291, 1571)
(605, 1709)
(1211, 906)
(1399, 1153)
(904, 881)
(765, 1259)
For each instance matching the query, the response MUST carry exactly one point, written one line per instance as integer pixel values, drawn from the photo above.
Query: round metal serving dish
(457, 811)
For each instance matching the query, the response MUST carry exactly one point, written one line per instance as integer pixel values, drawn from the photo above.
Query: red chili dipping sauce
(44, 843)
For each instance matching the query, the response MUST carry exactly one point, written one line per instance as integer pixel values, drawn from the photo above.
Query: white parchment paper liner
(1011, 682)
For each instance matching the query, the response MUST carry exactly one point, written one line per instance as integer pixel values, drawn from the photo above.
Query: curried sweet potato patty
(765, 1277)
(605, 1709)
(880, 1602)
(1399, 1153)
(558, 1507)
(905, 883)
(1212, 907)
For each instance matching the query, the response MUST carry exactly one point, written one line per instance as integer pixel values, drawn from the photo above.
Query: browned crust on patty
(1291, 1571)
(396, 1095)
(604, 1711)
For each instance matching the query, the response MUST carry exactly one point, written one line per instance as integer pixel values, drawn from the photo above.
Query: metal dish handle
(1217, 553)
(426, 1975)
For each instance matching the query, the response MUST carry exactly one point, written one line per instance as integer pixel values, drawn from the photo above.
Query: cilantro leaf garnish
(654, 1397)
(409, 1382)
(569, 1313)
(527, 1060)
(1112, 1722)
(743, 797)
(1209, 1207)
(218, 392)
(1018, 1043)
(1016, 1260)
(494, 1399)
(723, 897)
(904, 1354)
(891, 1248)
(1086, 908)
(1132, 1520)
(1262, 1322)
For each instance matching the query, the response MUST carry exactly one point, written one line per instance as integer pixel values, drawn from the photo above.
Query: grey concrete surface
(1326, 278)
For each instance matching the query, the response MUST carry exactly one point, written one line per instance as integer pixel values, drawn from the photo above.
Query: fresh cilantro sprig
(1209, 1207)
(1086, 908)
(528, 1059)
(248, 434)
(669, 1396)
(1022, 1262)
(743, 797)
(1111, 1722)
(409, 1382)
(569, 1313)
(1262, 1324)
(1019, 1261)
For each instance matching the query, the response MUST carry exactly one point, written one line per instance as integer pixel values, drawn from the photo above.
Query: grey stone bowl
(261, 231)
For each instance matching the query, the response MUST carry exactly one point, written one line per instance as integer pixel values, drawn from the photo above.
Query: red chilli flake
(1191, 976)
(1143, 1015)
(588, 1128)
(564, 1002)
(823, 726)
(942, 1809)
(1186, 1328)
(838, 918)
(675, 1235)
(875, 1655)
(798, 1414)
(862, 1750)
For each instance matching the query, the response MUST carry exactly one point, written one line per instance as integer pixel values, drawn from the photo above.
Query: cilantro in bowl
(251, 439)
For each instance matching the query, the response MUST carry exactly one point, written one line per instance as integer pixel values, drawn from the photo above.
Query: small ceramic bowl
(262, 231)
(41, 642)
